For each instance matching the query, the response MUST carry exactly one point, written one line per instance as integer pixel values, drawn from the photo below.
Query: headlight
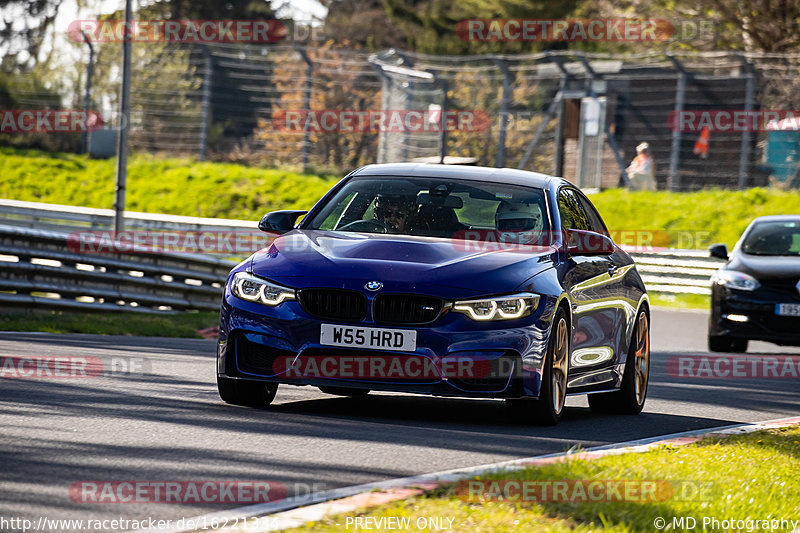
(501, 308)
(248, 287)
(735, 280)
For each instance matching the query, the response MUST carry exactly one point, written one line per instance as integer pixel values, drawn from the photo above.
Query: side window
(572, 214)
(595, 221)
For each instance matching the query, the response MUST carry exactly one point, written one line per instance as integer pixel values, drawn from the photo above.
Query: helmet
(518, 217)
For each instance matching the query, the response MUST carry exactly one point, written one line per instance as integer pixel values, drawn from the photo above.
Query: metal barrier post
(673, 179)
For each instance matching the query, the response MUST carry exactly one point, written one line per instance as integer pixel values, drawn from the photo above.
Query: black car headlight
(735, 280)
(500, 308)
(253, 289)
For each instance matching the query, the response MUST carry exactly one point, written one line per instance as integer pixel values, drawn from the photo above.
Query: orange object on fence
(701, 146)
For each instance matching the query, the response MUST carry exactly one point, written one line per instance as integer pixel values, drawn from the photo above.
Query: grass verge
(753, 476)
(680, 301)
(176, 325)
(176, 186)
(690, 220)
(182, 186)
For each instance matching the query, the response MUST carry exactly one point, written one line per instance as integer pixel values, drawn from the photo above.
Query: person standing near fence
(641, 171)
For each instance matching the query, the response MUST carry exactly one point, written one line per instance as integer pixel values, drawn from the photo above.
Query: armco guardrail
(37, 269)
(677, 271)
(668, 271)
(67, 217)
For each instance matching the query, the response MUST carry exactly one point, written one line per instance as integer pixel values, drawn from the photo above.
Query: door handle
(612, 270)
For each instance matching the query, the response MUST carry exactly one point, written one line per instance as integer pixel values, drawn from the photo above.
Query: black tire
(245, 392)
(547, 409)
(719, 343)
(344, 391)
(629, 400)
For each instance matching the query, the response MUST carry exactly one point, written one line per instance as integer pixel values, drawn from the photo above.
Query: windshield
(444, 208)
(773, 238)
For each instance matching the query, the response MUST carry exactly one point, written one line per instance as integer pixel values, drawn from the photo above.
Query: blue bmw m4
(440, 280)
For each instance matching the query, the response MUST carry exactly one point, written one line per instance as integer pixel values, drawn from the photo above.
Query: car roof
(509, 176)
(776, 218)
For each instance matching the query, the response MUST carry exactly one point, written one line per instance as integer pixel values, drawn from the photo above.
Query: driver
(393, 212)
(519, 222)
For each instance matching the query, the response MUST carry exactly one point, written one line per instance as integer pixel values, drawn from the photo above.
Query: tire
(547, 409)
(245, 392)
(344, 391)
(629, 400)
(718, 343)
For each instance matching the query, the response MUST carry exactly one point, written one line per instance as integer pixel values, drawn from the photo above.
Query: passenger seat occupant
(518, 217)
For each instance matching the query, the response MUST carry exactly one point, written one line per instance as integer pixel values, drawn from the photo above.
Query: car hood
(441, 267)
(766, 267)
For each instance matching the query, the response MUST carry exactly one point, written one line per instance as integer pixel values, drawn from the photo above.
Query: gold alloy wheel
(558, 374)
(642, 358)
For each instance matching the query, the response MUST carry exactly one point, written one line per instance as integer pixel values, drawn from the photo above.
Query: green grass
(123, 323)
(692, 220)
(680, 301)
(745, 476)
(181, 186)
(172, 186)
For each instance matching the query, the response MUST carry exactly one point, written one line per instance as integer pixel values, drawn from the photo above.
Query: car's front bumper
(257, 341)
(751, 315)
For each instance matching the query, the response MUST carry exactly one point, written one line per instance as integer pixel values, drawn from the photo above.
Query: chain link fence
(329, 109)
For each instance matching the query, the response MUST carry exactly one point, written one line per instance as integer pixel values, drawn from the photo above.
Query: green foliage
(696, 219)
(741, 477)
(15, 93)
(430, 26)
(174, 186)
(181, 186)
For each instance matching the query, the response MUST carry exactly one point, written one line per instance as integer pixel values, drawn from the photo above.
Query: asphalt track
(165, 422)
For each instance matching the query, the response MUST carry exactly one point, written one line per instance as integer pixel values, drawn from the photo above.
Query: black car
(756, 295)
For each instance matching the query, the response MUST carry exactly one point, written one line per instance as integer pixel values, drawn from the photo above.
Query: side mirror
(580, 242)
(279, 221)
(718, 250)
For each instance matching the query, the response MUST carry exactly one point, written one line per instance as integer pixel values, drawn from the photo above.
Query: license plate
(402, 340)
(787, 309)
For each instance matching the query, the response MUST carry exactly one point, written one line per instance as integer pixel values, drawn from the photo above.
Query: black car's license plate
(787, 309)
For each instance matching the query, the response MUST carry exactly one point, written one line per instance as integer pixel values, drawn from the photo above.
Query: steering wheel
(367, 226)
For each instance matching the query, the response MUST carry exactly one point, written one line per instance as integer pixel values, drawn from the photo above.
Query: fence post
(306, 103)
(673, 179)
(443, 134)
(87, 99)
(744, 154)
(442, 84)
(207, 81)
(125, 123)
(504, 104)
